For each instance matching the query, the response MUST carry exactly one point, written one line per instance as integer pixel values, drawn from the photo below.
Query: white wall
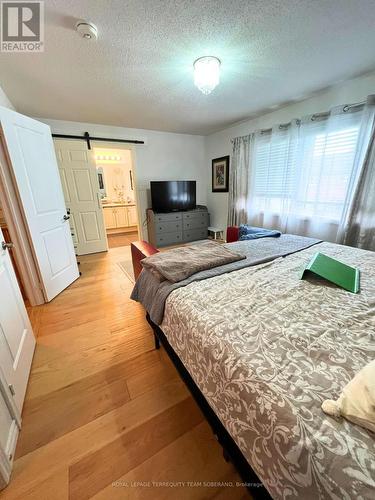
(219, 144)
(4, 101)
(165, 156)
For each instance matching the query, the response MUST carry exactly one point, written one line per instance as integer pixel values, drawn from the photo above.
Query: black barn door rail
(86, 137)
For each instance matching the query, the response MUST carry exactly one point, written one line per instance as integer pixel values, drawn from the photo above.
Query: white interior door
(9, 429)
(79, 179)
(32, 156)
(17, 340)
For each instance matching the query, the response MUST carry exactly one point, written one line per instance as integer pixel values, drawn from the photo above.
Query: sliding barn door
(79, 180)
(32, 157)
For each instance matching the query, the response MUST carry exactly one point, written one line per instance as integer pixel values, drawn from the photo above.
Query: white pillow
(357, 400)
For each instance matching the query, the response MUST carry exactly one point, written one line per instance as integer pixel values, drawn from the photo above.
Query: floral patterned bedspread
(266, 348)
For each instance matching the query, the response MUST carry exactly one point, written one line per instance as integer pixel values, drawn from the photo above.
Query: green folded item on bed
(333, 270)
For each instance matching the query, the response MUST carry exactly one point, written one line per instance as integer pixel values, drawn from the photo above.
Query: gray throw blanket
(152, 294)
(180, 263)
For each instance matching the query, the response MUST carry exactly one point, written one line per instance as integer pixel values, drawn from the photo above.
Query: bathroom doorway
(117, 194)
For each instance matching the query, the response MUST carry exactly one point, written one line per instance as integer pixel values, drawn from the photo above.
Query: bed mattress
(265, 349)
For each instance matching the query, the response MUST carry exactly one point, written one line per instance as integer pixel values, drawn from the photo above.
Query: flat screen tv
(171, 196)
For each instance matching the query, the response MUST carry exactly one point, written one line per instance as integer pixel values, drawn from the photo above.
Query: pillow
(357, 400)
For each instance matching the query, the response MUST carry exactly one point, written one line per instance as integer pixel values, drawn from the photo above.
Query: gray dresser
(177, 227)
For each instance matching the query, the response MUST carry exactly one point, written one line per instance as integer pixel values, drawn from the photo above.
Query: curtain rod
(86, 137)
(346, 107)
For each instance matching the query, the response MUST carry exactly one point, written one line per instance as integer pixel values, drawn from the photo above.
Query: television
(171, 196)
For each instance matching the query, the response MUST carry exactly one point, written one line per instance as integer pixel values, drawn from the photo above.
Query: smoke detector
(87, 30)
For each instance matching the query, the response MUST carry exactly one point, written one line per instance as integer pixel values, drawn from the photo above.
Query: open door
(17, 340)
(79, 180)
(32, 157)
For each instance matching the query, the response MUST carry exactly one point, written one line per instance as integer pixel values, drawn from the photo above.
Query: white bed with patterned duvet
(266, 349)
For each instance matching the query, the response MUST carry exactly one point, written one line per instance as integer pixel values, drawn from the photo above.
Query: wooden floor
(121, 239)
(106, 415)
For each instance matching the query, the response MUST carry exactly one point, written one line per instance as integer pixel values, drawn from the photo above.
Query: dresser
(177, 227)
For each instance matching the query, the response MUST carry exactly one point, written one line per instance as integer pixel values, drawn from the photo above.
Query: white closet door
(31, 152)
(17, 342)
(79, 179)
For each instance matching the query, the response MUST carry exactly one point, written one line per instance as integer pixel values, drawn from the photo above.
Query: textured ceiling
(139, 72)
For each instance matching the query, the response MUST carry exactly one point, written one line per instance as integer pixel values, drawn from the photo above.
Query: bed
(262, 349)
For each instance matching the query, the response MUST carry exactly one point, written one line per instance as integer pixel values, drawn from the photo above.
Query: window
(307, 171)
(326, 173)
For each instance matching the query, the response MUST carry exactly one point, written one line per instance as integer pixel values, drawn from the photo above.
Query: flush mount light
(207, 73)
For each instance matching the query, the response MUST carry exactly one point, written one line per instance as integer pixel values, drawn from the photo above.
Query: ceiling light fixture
(108, 157)
(207, 73)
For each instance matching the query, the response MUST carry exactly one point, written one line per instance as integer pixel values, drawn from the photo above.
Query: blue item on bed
(252, 233)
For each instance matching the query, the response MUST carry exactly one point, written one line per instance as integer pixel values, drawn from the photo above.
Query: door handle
(5, 246)
(66, 217)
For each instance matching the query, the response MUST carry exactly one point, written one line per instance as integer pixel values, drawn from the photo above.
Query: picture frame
(220, 175)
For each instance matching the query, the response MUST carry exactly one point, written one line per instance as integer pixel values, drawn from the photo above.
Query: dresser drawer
(169, 217)
(194, 215)
(195, 223)
(195, 234)
(166, 239)
(168, 227)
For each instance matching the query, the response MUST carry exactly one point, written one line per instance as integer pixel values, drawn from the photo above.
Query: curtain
(359, 228)
(303, 174)
(238, 180)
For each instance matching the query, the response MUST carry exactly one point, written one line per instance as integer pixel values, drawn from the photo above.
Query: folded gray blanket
(179, 263)
(152, 294)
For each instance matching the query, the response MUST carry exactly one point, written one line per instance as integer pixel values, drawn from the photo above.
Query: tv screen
(170, 196)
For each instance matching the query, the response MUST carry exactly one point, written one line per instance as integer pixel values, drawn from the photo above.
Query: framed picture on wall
(220, 175)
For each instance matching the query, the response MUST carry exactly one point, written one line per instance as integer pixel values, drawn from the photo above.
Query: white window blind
(305, 173)
(326, 169)
(274, 167)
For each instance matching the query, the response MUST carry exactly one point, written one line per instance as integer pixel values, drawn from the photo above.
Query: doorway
(100, 194)
(115, 170)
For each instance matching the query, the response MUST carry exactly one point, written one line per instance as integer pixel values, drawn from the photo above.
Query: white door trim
(14, 217)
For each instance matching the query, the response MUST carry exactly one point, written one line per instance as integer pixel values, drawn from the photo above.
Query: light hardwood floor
(121, 239)
(105, 410)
